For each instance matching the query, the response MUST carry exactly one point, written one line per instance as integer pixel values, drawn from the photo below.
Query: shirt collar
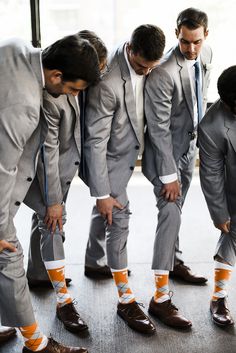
(41, 65)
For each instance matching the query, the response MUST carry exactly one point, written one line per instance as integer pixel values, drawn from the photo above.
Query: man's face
(140, 65)
(56, 86)
(191, 41)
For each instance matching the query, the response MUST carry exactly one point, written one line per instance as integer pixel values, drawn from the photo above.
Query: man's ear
(128, 47)
(55, 77)
(176, 32)
(206, 33)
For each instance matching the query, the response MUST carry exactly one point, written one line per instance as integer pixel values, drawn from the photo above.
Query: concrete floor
(97, 299)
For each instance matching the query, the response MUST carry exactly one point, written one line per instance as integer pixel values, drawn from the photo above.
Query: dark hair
(148, 41)
(96, 42)
(226, 85)
(192, 18)
(75, 57)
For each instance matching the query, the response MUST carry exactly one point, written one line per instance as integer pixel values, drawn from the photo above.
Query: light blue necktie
(198, 90)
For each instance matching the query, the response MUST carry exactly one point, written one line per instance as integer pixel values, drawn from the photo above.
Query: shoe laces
(170, 304)
(141, 304)
(74, 302)
(223, 304)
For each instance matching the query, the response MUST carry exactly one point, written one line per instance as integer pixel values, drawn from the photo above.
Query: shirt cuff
(102, 197)
(166, 179)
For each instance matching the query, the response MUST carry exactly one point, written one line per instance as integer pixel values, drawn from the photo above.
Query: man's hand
(54, 217)
(105, 207)
(223, 227)
(4, 245)
(171, 191)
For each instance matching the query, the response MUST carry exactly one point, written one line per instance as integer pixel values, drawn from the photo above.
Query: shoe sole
(148, 332)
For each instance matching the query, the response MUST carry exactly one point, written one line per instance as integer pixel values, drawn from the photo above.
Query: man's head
(226, 85)
(191, 31)
(98, 45)
(145, 48)
(70, 65)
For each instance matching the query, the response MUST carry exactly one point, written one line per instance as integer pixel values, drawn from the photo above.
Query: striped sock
(34, 339)
(162, 286)
(126, 295)
(222, 277)
(56, 273)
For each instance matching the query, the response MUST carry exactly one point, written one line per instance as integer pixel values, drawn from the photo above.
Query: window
(15, 19)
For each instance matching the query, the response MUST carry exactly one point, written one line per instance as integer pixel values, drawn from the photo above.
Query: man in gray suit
(114, 139)
(217, 143)
(175, 97)
(24, 73)
(63, 159)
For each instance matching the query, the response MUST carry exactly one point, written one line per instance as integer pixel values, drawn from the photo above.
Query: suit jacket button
(68, 182)
(131, 168)
(137, 147)
(29, 179)
(77, 163)
(17, 203)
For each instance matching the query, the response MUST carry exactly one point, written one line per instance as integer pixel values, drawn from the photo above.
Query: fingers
(109, 218)
(10, 247)
(51, 224)
(60, 224)
(118, 205)
(4, 245)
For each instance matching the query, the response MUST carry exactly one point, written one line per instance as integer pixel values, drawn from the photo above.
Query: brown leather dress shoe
(55, 347)
(135, 317)
(184, 272)
(99, 272)
(37, 283)
(168, 314)
(220, 312)
(6, 333)
(71, 318)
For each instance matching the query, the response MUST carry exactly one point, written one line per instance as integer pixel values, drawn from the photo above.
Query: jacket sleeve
(159, 90)
(212, 176)
(51, 155)
(101, 105)
(17, 123)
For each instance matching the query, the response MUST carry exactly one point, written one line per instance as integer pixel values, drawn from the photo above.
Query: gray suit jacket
(22, 127)
(217, 143)
(111, 141)
(169, 112)
(62, 153)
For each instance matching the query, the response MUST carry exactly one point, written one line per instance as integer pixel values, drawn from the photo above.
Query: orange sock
(222, 277)
(126, 295)
(162, 286)
(56, 273)
(34, 339)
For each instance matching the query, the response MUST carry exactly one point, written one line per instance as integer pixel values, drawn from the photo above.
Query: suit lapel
(128, 90)
(230, 124)
(185, 80)
(76, 110)
(205, 71)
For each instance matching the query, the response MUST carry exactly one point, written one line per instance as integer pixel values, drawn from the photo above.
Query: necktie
(198, 90)
(82, 99)
(139, 111)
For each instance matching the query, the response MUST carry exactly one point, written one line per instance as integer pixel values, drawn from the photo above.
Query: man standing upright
(114, 139)
(24, 72)
(217, 143)
(175, 100)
